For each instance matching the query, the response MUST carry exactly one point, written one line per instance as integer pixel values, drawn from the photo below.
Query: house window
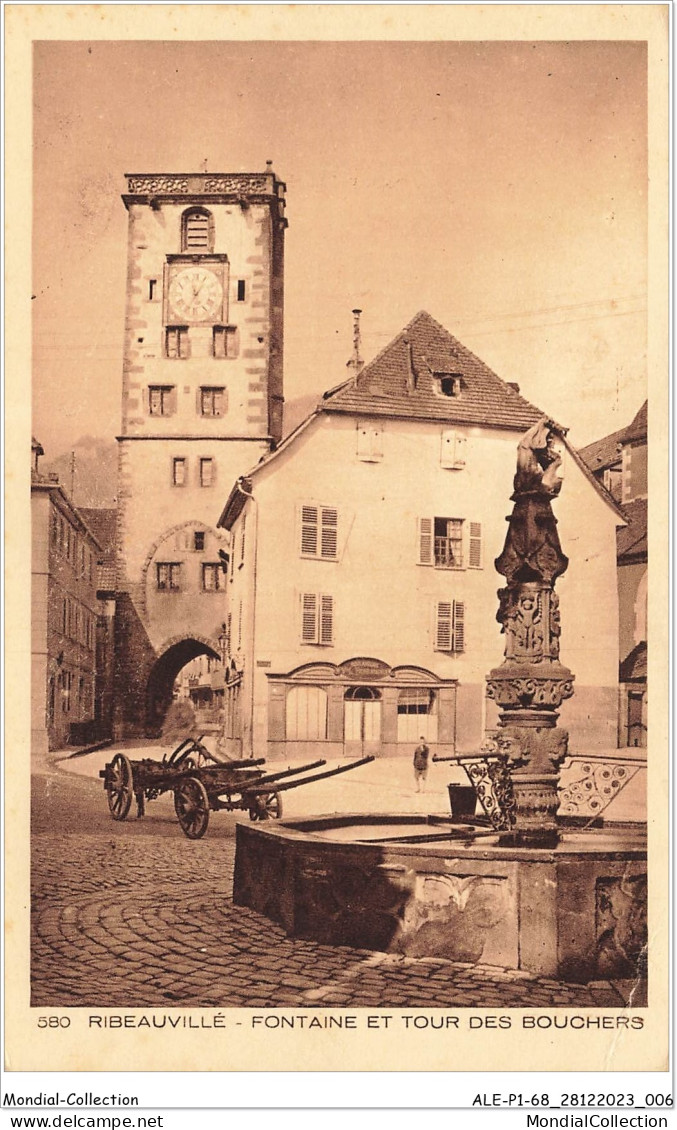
(168, 576)
(161, 400)
(449, 543)
(224, 341)
(206, 472)
(450, 626)
(199, 540)
(197, 230)
(447, 384)
(241, 290)
(319, 532)
(452, 452)
(177, 342)
(179, 471)
(212, 401)
(212, 577)
(306, 714)
(369, 443)
(416, 715)
(317, 618)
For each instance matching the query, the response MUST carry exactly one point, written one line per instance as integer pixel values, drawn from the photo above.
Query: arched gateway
(175, 654)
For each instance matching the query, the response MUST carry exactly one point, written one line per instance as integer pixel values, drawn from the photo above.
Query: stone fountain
(522, 889)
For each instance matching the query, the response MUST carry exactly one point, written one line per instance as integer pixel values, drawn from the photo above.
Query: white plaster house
(362, 590)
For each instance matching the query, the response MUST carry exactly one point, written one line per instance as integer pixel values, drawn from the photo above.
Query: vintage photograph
(339, 485)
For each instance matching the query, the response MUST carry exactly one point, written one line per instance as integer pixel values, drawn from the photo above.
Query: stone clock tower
(201, 403)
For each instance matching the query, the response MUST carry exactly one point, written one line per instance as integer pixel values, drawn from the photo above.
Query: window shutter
(447, 450)
(369, 443)
(326, 619)
(425, 541)
(242, 536)
(475, 545)
(309, 524)
(329, 545)
(459, 451)
(308, 617)
(459, 626)
(443, 626)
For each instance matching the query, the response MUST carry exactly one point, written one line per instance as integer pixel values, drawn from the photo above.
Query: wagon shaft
(289, 772)
(255, 790)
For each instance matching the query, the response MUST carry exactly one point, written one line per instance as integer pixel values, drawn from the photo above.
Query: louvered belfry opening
(197, 231)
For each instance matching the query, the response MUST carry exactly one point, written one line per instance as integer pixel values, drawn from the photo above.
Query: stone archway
(175, 654)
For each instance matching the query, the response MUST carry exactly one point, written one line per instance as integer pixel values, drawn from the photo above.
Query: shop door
(362, 722)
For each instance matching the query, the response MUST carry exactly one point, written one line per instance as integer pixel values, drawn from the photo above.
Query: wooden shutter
(475, 545)
(447, 449)
(326, 635)
(329, 536)
(308, 617)
(309, 531)
(369, 443)
(459, 451)
(458, 626)
(443, 625)
(425, 541)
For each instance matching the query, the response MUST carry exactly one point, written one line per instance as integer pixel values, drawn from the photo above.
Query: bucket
(463, 801)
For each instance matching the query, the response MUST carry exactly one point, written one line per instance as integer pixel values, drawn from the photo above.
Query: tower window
(224, 341)
(212, 577)
(152, 290)
(212, 401)
(179, 472)
(206, 472)
(197, 230)
(169, 576)
(241, 290)
(161, 400)
(176, 342)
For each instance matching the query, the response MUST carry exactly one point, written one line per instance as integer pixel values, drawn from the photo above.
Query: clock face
(196, 295)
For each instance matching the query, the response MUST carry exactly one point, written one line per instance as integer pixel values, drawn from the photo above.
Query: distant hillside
(94, 482)
(96, 468)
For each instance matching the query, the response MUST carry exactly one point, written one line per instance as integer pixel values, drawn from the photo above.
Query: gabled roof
(101, 522)
(638, 428)
(631, 542)
(403, 381)
(604, 452)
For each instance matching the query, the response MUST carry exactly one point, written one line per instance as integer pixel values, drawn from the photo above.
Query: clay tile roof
(102, 524)
(634, 666)
(399, 382)
(603, 452)
(638, 428)
(631, 540)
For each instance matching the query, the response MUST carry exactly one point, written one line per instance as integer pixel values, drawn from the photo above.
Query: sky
(502, 186)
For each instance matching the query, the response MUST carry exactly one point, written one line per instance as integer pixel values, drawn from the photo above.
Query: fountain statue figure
(531, 683)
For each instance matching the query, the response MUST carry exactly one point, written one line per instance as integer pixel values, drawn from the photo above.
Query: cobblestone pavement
(133, 914)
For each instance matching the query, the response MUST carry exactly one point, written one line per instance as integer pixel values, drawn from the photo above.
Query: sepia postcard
(340, 337)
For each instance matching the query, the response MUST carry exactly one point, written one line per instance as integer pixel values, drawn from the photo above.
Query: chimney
(356, 363)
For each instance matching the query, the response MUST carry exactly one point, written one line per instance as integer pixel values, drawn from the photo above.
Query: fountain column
(531, 683)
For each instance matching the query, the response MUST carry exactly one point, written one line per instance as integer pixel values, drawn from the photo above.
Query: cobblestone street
(132, 914)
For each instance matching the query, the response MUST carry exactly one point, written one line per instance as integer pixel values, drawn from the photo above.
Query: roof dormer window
(447, 384)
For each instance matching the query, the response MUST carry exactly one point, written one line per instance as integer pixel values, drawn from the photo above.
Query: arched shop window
(306, 714)
(416, 714)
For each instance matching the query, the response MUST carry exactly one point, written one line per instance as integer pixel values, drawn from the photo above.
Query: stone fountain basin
(428, 887)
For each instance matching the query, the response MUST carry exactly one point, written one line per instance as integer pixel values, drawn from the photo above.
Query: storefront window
(416, 714)
(306, 714)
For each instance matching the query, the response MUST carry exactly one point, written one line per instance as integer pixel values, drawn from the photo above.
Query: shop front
(360, 707)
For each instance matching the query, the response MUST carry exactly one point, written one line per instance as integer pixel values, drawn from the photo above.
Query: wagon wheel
(119, 786)
(268, 807)
(191, 805)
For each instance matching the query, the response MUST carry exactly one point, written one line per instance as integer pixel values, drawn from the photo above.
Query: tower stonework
(202, 397)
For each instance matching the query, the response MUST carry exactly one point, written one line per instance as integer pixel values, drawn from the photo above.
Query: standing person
(421, 755)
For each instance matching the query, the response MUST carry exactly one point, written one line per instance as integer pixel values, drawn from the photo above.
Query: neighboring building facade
(361, 589)
(620, 462)
(103, 523)
(201, 399)
(64, 614)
